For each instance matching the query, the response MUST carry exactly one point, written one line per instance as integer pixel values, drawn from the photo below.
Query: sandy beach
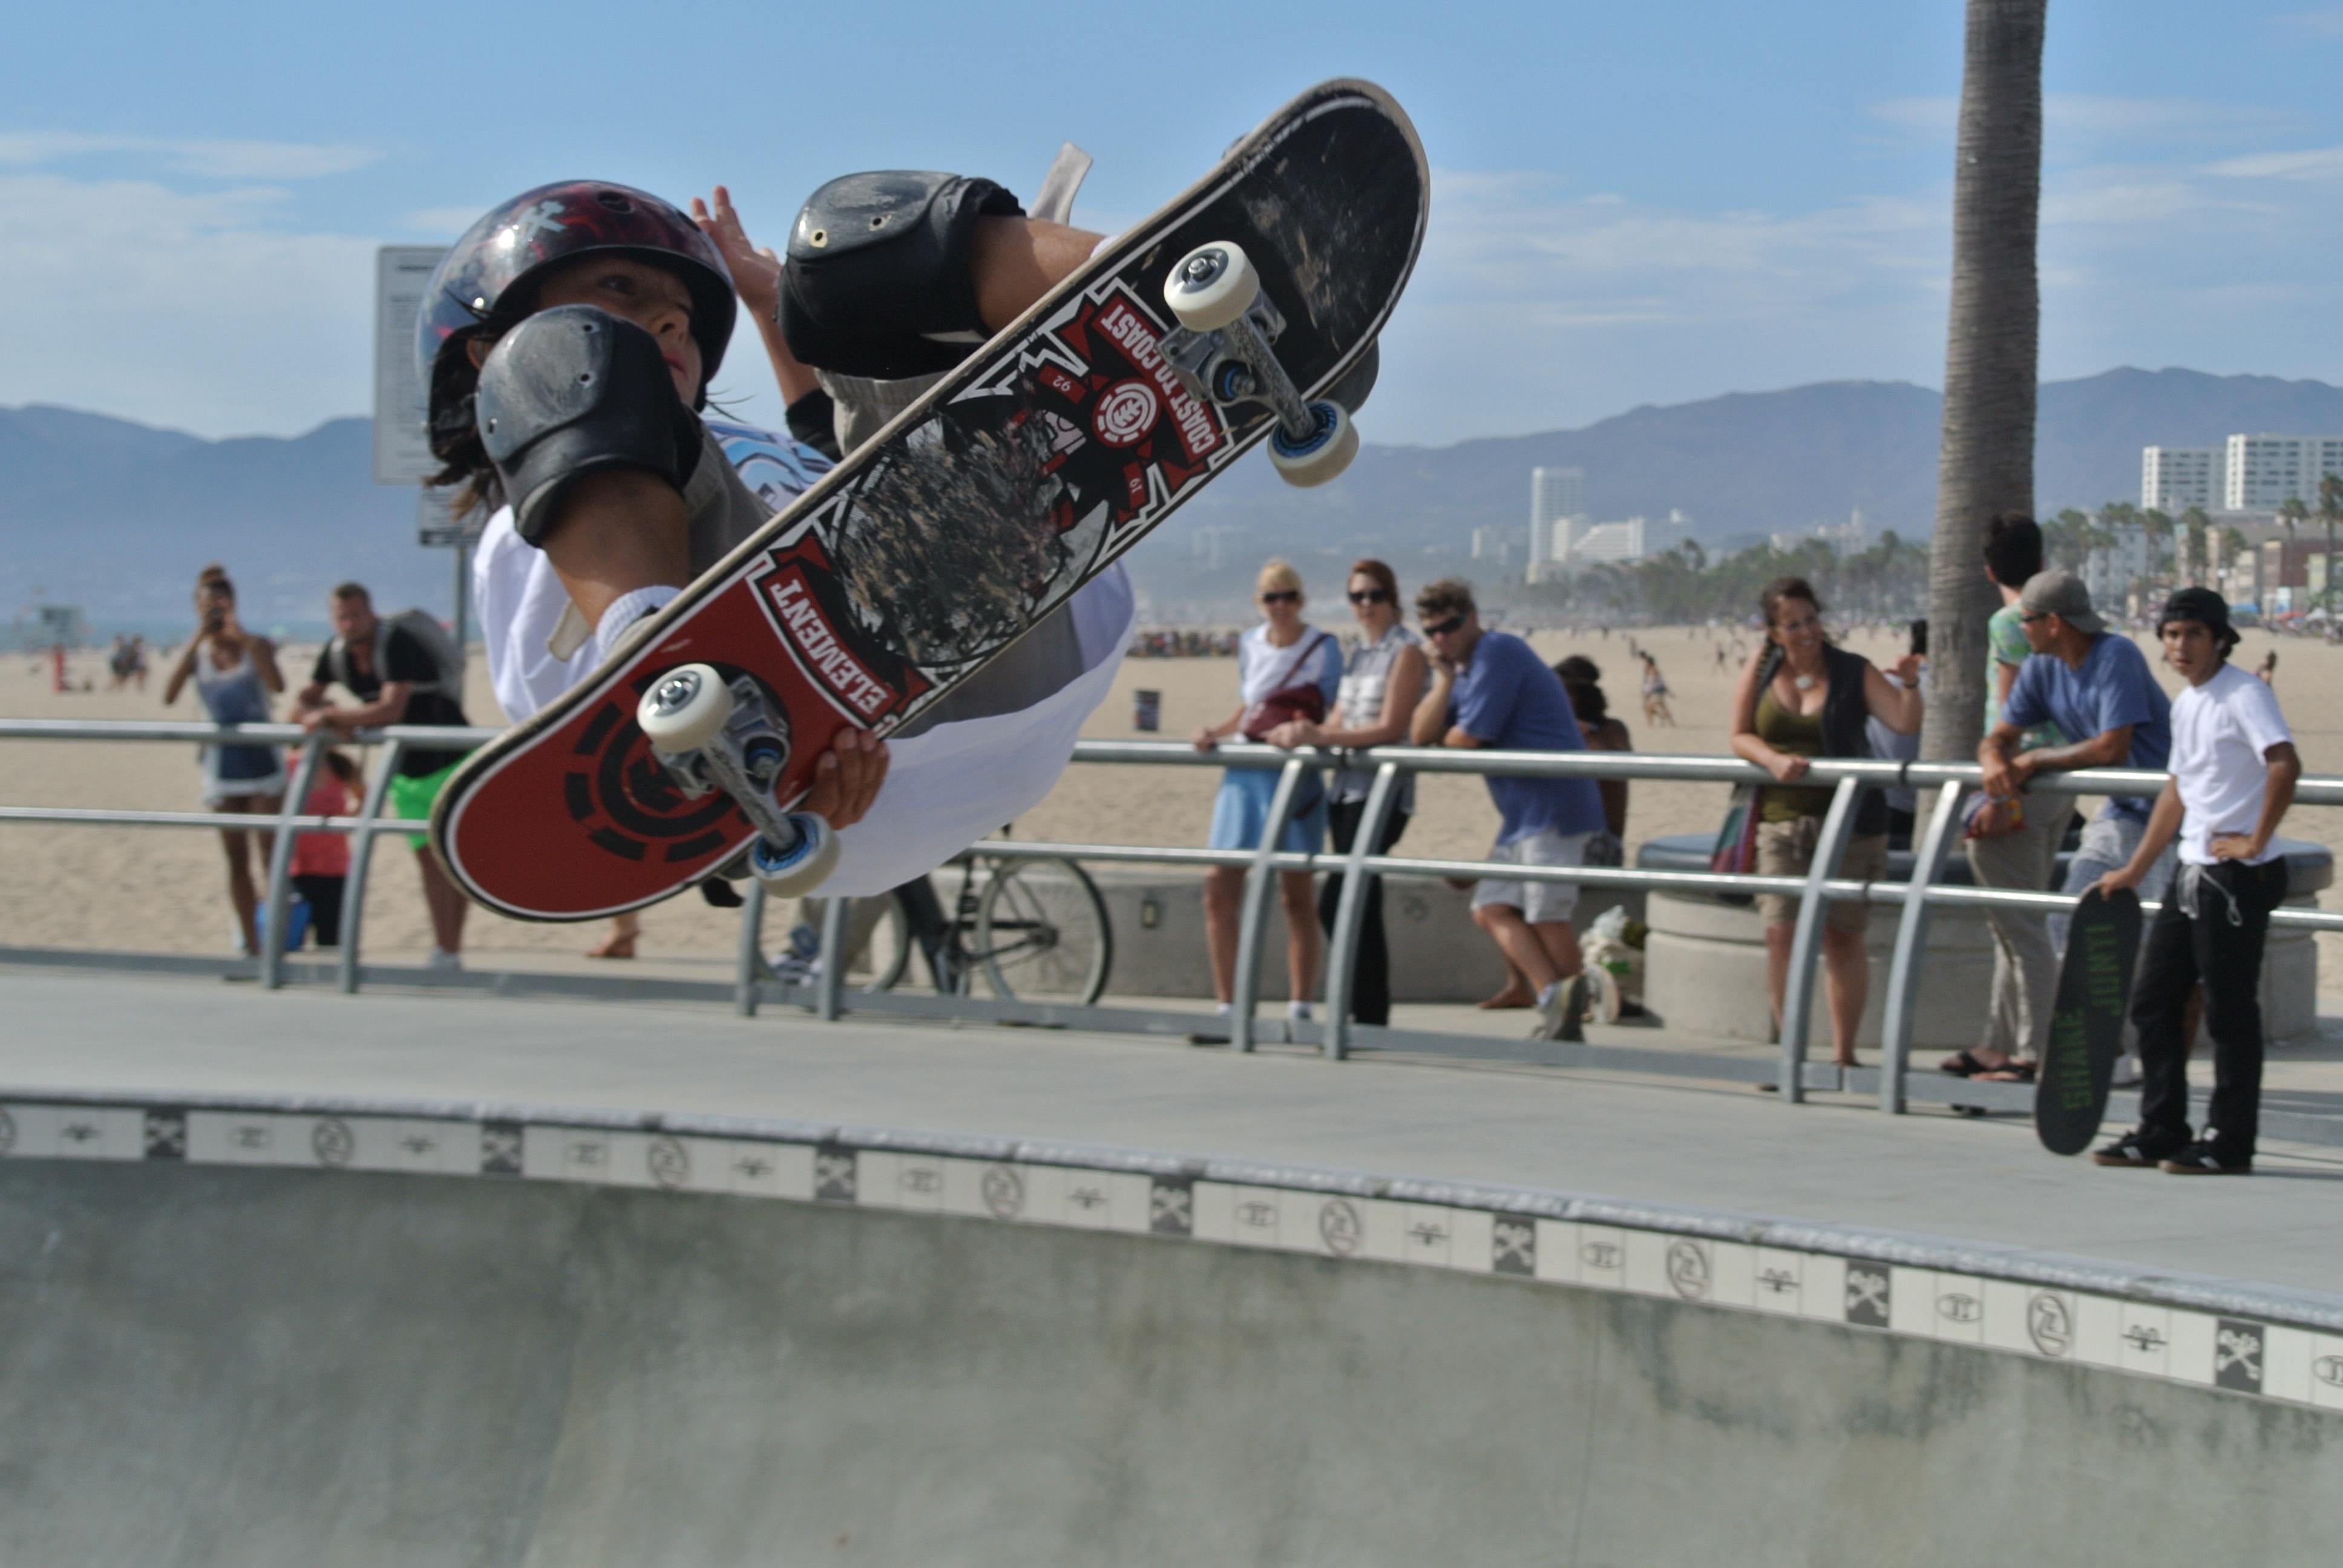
(163, 889)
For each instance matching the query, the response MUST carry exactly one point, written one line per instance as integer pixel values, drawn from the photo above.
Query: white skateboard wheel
(1212, 286)
(1323, 455)
(805, 867)
(685, 708)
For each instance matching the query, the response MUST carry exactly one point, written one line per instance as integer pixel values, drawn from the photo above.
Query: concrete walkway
(1681, 1143)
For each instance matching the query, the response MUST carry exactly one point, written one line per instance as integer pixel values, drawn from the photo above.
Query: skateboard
(1224, 321)
(2079, 1061)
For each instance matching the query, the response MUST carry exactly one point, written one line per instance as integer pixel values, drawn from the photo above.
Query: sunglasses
(1442, 628)
(1283, 595)
(1371, 595)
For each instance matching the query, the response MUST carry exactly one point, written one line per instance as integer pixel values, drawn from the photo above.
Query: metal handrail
(1916, 897)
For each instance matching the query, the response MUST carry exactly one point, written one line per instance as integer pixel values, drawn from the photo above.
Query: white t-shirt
(946, 787)
(2219, 731)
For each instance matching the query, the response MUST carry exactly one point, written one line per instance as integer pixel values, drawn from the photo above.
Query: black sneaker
(2206, 1158)
(2139, 1148)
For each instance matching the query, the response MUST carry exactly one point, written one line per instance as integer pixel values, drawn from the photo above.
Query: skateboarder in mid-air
(568, 340)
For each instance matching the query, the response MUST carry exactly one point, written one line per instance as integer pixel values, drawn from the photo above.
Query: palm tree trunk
(1985, 462)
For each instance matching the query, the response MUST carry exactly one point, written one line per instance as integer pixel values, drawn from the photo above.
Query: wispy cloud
(209, 311)
(199, 158)
(2314, 163)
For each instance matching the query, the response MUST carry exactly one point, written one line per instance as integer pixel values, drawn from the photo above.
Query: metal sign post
(402, 449)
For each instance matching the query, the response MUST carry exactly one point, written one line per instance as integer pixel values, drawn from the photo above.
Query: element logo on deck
(1125, 413)
(800, 591)
(818, 646)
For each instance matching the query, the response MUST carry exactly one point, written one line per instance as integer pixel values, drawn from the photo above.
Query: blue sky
(1641, 204)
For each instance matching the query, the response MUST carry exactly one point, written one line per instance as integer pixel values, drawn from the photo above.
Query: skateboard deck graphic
(1039, 461)
(2078, 1062)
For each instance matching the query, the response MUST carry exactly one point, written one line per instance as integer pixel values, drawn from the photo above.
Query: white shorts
(1539, 902)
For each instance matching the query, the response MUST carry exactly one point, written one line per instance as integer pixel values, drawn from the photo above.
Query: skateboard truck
(1220, 350)
(713, 735)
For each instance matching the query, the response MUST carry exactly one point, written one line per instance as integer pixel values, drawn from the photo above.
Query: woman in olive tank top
(1801, 699)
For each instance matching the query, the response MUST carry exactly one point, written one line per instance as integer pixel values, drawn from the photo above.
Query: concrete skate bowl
(709, 1342)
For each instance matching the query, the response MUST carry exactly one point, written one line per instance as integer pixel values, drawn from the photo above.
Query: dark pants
(1371, 975)
(324, 897)
(2222, 947)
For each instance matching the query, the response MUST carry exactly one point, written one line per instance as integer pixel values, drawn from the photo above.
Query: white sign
(402, 455)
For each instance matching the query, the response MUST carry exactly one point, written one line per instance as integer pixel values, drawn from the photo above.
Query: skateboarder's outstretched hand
(846, 780)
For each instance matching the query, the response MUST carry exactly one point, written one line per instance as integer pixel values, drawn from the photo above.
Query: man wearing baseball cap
(2094, 686)
(2234, 767)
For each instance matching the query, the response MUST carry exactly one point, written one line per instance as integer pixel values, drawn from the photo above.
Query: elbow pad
(878, 283)
(572, 391)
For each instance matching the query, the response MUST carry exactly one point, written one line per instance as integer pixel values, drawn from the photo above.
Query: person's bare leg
(1302, 950)
(445, 904)
(1017, 260)
(616, 532)
(621, 943)
(1778, 964)
(1846, 974)
(1518, 992)
(1222, 887)
(235, 842)
(1560, 940)
(1518, 942)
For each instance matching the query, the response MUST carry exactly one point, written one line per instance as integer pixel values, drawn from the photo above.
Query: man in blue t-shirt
(1489, 688)
(2094, 686)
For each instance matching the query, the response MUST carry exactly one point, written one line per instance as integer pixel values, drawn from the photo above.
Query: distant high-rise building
(2260, 472)
(2174, 478)
(1557, 496)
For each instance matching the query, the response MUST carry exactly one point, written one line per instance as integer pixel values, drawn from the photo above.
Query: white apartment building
(2174, 478)
(2262, 471)
(1557, 509)
(1622, 541)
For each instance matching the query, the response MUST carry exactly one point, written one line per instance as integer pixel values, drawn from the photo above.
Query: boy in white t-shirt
(2234, 767)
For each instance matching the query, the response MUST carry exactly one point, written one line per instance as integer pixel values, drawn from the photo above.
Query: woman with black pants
(1382, 679)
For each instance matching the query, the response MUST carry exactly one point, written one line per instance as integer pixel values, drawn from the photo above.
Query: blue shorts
(1241, 811)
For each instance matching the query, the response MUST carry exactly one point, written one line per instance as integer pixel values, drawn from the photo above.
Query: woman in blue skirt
(1286, 669)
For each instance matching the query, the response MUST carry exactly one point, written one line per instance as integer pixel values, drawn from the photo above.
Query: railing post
(1911, 944)
(750, 966)
(833, 979)
(1351, 910)
(1805, 944)
(280, 862)
(1260, 879)
(361, 857)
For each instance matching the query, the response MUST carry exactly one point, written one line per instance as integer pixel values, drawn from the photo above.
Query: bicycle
(1037, 930)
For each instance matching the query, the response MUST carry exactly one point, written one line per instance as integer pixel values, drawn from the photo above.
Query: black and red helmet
(484, 279)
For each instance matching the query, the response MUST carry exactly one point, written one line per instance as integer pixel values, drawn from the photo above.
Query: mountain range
(118, 517)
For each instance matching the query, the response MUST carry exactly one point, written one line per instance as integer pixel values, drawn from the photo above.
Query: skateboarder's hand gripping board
(704, 740)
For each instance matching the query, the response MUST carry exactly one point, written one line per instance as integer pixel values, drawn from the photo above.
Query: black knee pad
(878, 282)
(572, 390)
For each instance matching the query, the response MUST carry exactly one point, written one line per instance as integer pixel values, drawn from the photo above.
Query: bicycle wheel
(1042, 932)
(880, 960)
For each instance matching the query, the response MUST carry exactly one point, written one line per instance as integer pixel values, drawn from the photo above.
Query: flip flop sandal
(1965, 1065)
